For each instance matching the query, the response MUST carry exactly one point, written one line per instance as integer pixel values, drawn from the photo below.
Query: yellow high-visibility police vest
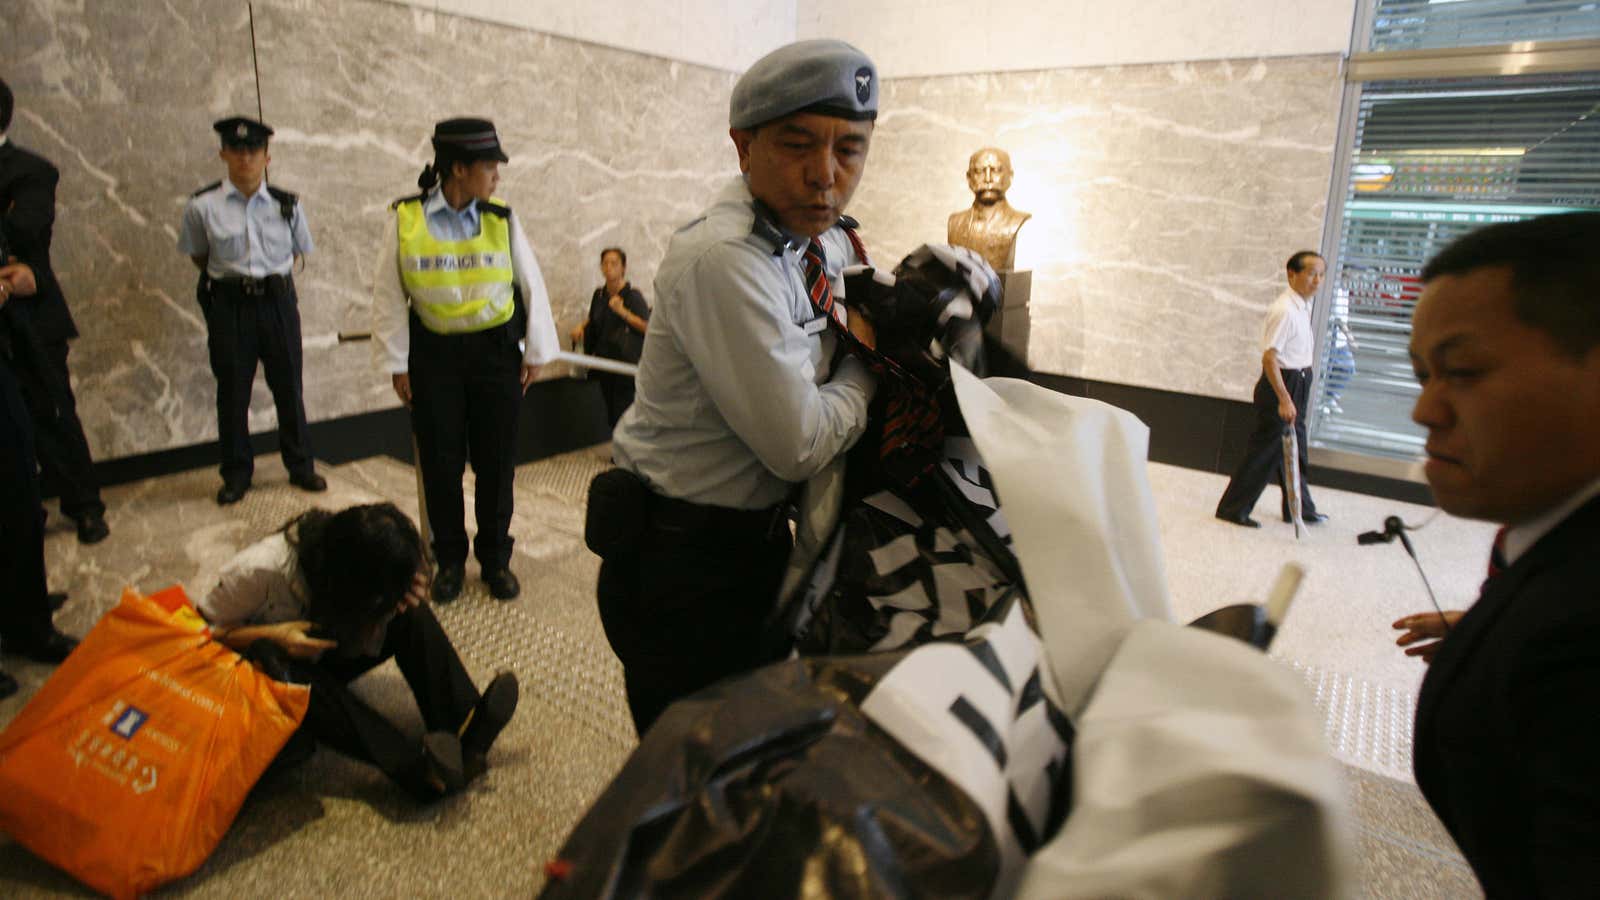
(457, 287)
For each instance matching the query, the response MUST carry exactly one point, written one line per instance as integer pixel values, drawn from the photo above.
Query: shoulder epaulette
(406, 199)
(283, 196)
(498, 209)
(286, 201)
(210, 187)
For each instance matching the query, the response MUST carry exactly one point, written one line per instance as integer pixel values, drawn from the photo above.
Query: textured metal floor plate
(1366, 724)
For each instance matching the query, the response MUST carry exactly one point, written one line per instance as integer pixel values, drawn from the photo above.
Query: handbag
(129, 765)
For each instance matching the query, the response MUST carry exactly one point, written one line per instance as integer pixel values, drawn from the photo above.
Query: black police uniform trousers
(466, 394)
(251, 320)
(68, 467)
(687, 606)
(1263, 455)
(24, 607)
(338, 718)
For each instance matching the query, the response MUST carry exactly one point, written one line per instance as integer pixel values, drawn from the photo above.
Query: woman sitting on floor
(332, 595)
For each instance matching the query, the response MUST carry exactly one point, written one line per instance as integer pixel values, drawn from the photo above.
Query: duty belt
(254, 287)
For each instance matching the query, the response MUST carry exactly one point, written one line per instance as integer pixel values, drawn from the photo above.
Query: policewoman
(740, 392)
(465, 322)
(245, 235)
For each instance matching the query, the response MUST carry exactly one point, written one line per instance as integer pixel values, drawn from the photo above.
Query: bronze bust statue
(991, 225)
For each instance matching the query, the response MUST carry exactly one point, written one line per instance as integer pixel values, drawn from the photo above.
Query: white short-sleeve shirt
(1288, 331)
(261, 585)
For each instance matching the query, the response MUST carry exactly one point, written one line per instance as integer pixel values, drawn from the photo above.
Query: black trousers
(24, 609)
(466, 394)
(341, 720)
(1263, 455)
(618, 393)
(246, 324)
(686, 608)
(68, 467)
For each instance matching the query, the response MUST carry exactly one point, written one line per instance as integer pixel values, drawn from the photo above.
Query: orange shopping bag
(133, 759)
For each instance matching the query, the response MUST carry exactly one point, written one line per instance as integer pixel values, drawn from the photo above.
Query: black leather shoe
(310, 481)
(488, 719)
(92, 529)
(48, 647)
(231, 493)
(503, 585)
(447, 582)
(1313, 519)
(57, 599)
(1246, 521)
(441, 754)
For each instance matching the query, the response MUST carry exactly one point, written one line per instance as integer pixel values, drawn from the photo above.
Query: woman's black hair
(358, 562)
(438, 170)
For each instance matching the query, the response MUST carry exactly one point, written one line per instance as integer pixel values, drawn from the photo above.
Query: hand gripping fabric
(131, 762)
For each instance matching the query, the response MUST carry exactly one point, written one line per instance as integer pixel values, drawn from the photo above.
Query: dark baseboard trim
(1188, 430)
(1209, 434)
(557, 416)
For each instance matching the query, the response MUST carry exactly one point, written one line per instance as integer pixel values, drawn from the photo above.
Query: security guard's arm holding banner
(741, 392)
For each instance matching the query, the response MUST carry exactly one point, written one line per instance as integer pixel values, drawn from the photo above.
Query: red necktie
(817, 287)
(1497, 553)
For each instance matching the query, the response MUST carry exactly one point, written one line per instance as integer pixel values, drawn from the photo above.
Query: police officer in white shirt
(245, 235)
(1281, 395)
(740, 391)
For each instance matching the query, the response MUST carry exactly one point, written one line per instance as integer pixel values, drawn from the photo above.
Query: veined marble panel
(1165, 200)
(607, 146)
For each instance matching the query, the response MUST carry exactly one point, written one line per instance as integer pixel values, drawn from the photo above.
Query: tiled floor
(336, 828)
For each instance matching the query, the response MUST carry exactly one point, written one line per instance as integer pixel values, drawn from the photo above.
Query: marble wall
(945, 37)
(1165, 196)
(1165, 199)
(723, 34)
(607, 146)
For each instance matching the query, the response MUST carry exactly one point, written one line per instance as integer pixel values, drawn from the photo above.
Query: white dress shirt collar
(1521, 538)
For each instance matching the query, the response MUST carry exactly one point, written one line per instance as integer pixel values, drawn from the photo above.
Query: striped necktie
(817, 287)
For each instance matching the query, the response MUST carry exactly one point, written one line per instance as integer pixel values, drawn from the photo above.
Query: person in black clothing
(26, 628)
(1505, 343)
(615, 329)
(27, 215)
(329, 597)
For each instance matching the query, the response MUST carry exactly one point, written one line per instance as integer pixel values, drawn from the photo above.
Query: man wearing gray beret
(740, 393)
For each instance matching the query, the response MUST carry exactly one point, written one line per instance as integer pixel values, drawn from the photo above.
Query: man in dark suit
(26, 628)
(27, 214)
(1506, 344)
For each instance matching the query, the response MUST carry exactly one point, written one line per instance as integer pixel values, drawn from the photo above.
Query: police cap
(467, 140)
(819, 76)
(239, 131)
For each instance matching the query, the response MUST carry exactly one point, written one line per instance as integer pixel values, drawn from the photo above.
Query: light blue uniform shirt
(735, 401)
(242, 236)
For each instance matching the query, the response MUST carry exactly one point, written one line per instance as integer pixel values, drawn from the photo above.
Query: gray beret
(821, 76)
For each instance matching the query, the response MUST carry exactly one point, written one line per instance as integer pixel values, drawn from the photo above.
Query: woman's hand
(296, 640)
(402, 387)
(417, 594)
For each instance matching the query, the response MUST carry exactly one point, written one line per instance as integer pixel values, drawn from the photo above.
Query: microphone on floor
(1395, 527)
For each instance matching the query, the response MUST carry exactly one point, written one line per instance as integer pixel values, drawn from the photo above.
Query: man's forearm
(1274, 373)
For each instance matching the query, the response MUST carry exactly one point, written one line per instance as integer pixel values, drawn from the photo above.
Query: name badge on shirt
(815, 326)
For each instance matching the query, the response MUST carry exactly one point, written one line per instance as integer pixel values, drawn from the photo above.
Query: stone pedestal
(1010, 323)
